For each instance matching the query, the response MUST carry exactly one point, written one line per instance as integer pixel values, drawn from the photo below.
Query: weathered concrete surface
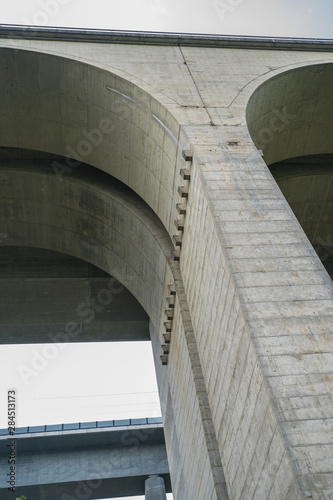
(247, 392)
(155, 488)
(93, 463)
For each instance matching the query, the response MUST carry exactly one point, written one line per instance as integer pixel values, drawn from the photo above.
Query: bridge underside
(109, 488)
(87, 463)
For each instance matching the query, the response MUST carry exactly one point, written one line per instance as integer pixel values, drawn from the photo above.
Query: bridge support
(157, 174)
(155, 488)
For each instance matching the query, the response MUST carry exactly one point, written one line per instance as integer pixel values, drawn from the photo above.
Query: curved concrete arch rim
(135, 211)
(243, 97)
(152, 91)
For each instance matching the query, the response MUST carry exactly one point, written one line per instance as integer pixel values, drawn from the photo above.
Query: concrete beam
(96, 463)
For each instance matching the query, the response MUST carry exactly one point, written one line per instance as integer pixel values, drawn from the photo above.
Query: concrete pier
(155, 488)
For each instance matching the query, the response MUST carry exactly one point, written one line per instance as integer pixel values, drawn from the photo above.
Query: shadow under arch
(90, 115)
(49, 296)
(290, 115)
(289, 118)
(90, 216)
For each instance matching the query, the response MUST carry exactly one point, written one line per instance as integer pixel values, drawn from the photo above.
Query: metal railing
(122, 36)
(84, 425)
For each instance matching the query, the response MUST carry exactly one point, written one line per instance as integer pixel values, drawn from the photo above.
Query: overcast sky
(89, 383)
(295, 18)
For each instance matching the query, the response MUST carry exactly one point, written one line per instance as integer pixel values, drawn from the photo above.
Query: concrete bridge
(196, 171)
(88, 460)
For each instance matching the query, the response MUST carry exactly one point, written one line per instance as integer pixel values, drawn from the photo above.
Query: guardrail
(84, 425)
(162, 38)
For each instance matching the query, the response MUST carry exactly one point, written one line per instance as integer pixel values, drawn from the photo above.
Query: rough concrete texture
(247, 391)
(155, 488)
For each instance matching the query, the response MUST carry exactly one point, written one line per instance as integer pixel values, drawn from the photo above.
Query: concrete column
(155, 488)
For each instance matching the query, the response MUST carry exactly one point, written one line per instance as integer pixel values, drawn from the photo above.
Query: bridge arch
(290, 115)
(92, 217)
(289, 118)
(89, 115)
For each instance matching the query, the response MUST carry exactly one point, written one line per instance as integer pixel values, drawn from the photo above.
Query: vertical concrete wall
(194, 459)
(250, 440)
(245, 250)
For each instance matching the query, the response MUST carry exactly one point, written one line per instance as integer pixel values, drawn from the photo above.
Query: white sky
(80, 382)
(59, 392)
(296, 18)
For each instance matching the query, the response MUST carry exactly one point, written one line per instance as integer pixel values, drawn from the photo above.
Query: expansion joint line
(195, 84)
